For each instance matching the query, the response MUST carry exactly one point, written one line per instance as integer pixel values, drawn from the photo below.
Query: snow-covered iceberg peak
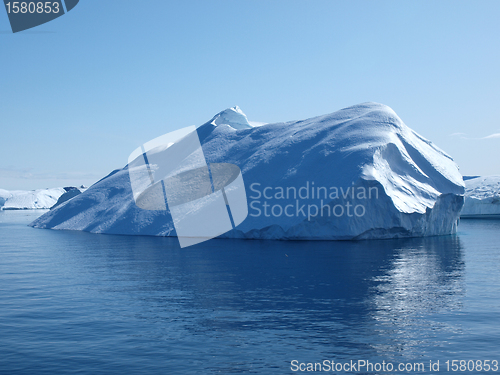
(234, 117)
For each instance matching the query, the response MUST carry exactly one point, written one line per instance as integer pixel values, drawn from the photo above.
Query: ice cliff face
(354, 174)
(70, 193)
(482, 198)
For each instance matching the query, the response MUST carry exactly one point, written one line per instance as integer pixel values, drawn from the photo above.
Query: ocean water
(80, 303)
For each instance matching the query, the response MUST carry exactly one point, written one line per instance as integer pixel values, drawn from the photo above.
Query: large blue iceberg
(358, 173)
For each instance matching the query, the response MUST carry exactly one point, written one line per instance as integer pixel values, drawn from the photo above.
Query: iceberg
(4, 195)
(482, 198)
(29, 200)
(358, 173)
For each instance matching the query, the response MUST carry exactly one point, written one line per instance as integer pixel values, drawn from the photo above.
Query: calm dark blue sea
(80, 303)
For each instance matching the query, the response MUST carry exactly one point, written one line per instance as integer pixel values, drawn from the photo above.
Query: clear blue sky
(80, 93)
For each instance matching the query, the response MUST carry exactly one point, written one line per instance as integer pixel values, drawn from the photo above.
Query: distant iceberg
(29, 199)
(358, 173)
(482, 197)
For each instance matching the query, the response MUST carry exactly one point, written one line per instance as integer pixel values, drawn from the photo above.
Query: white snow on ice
(29, 200)
(232, 116)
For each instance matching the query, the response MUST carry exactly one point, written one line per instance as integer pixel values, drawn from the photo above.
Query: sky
(80, 93)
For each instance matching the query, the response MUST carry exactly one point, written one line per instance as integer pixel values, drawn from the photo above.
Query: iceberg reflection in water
(74, 300)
